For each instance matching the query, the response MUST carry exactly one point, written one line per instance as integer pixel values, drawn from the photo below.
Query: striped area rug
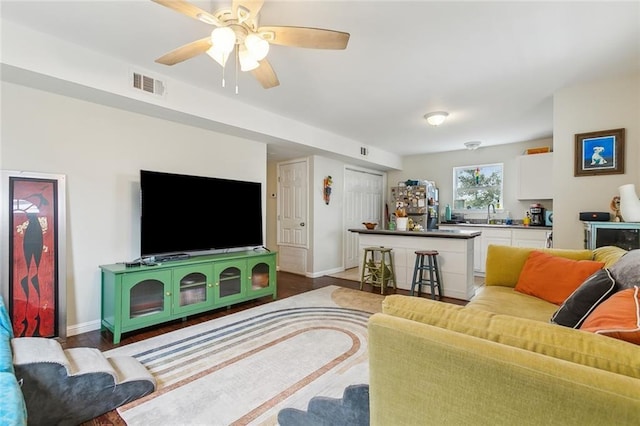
(244, 368)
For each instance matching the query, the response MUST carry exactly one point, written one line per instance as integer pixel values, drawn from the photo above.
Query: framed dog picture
(599, 153)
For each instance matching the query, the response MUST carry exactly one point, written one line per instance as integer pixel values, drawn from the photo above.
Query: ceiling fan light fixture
(472, 145)
(257, 46)
(223, 39)
(247, 61)
(436, 118)
(218, 56)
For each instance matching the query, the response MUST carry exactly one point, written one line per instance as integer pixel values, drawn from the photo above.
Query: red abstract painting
(33, 252)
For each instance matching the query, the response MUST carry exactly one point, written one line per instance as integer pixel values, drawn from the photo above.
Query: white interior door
(363, 196)
(292, 204)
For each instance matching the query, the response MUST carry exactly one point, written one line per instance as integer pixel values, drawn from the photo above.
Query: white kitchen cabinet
(500, 237)
(529, 237)
(517, 237)
(535, 176)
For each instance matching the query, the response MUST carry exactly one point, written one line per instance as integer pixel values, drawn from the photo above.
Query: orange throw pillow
(553, 278)
(618, 316)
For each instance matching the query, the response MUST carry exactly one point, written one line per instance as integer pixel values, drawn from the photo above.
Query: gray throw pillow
(626, 271)
(593, 291)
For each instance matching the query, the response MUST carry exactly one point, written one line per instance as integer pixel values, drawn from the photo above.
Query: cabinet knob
(217, 284)
(168, 293)
(210, 285)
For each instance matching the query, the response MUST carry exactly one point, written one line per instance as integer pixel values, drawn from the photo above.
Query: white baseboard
(323, 273)
(83, 328)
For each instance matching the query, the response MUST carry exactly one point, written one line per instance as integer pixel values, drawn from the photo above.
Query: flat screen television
(186, 214)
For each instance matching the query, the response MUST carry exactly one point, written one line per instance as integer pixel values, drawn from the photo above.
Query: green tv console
(141, 296)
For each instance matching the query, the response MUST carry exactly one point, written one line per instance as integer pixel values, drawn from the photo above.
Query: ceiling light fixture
(250, 49)
(436, 118)
(472, 145)
(256, 46)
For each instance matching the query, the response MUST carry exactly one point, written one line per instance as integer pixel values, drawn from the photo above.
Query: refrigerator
(419, 199)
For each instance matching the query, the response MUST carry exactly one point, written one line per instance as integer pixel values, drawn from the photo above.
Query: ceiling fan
(237, 31)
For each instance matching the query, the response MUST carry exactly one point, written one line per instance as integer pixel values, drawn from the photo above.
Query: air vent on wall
(364, 151)
(148, 84)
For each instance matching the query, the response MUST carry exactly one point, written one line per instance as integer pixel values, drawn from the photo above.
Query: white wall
(28, 55)
(101, 150)
(439, 168)
(600, 105)
(326, 220)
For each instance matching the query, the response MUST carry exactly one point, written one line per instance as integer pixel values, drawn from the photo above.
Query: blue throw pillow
(593, 291)
(13, 410)
(5, 322)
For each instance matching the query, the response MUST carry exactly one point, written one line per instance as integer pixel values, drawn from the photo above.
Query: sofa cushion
(548, 339)
(608, 254)
(595, 290)
(626, 271)
(504, 263)
(553, 278)
(507, 301)
(618, 316)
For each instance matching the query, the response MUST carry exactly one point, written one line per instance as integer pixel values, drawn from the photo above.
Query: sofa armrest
(423, 374)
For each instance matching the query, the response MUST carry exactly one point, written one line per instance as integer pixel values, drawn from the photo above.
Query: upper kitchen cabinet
(535, 176)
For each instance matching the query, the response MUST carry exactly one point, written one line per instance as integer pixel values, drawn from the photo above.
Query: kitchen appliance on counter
(548, 218)
(536, 211)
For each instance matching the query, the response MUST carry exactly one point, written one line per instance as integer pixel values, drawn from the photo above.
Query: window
(475, 187)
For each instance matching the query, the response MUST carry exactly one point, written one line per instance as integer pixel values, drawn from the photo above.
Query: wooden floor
(288, 285)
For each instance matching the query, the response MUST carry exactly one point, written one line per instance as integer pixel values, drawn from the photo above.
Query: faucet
(489, 212)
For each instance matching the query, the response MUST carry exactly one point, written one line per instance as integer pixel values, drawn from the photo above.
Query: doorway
(363, 202)
(293, 232)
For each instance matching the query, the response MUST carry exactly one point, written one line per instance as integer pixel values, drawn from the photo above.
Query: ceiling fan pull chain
(237, 62)
(223, 67)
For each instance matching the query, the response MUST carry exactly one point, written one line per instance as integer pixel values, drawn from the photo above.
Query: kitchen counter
(429, 233)
(497, 225)
(455, 258)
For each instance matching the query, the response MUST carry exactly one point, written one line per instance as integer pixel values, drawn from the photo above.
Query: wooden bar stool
(377, 268)
(420, 269)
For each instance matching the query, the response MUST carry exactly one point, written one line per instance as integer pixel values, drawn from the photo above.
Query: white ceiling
(494, 66)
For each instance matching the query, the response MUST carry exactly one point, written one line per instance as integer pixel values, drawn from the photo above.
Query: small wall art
(326, 192)
(599, 153)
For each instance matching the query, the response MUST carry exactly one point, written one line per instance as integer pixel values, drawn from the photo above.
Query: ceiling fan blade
(245, 9)
(191, 11)
(266, 75)
(185, 52)
(313, 38)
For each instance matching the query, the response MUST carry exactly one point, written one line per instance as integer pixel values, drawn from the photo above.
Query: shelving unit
(141, 296)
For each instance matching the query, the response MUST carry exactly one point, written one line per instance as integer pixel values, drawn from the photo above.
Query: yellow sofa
(498, 360)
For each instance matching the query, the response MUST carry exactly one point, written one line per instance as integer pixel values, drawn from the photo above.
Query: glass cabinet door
(146, 297)
(192, 289)
(261, 276)
(229, 277)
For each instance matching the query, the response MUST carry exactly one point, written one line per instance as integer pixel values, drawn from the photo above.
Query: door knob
(301, 223)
